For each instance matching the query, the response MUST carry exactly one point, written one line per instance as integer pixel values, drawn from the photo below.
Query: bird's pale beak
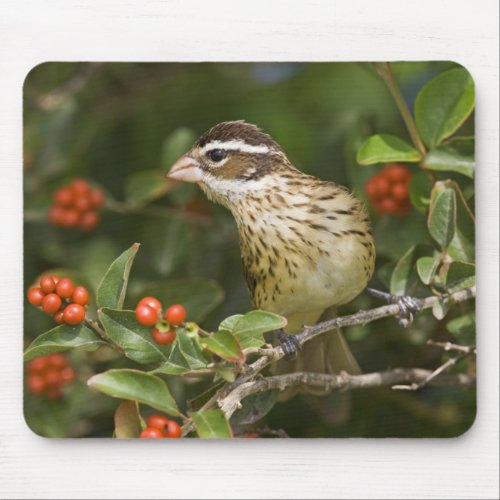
(186, 169)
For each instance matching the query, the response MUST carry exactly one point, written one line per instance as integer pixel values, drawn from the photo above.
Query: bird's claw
(289, 344)
(408, 306)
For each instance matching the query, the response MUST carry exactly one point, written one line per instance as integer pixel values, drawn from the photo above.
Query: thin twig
(448, 346)
(342, 382)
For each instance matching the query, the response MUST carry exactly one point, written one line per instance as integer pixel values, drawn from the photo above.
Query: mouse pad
(249, 250)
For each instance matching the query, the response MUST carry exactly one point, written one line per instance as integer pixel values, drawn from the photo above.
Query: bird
(306, 243)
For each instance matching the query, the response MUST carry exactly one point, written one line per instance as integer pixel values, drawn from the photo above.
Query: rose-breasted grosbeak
(306, 243)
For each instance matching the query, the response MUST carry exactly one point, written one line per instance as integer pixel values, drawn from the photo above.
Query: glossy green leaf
(440, 308)
(404, 278)
(460, 275)
(137, 386)
(128, 422)
(225, 345)
(111, 291)
(442, 216)
(455, 156)
(254, 407)
(420, 191)
(249, 328)
(385, 148)
(135, 339)
(211, 424)
(443, 104)
(186, 355)
(198, 296)
(62, 338)
(426, 268)
(145, 186)
(176, 144)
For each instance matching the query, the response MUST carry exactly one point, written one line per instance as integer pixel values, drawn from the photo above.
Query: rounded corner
(31, 71)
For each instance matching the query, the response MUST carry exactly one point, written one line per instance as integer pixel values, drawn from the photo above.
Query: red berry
(64, 197)
(52, 377)
(73, 314)
(37, 365)
(51, 303)
(152, 302)
(396, 172)
(58, 317)
(80, 186)
(163, 338)
(173, 430)
(151, 432)
(55, 278)
(388, 206)
(146, 315)
(97, 198)
(70, 218)
(157, 421)
(47, 284)
(67, 375)
(175, 314)
(89, 220)
(400, 191)
(57, 215)
(83, 203)
(377, 188)
(36, 384)
(80, 296)
(57, 360)
(35, 296)
(65, 288)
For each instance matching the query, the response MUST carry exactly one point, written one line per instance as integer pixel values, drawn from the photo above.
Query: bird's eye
(217, 155)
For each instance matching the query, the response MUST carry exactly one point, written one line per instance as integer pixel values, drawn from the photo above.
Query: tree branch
(343, 381)
(267, 355)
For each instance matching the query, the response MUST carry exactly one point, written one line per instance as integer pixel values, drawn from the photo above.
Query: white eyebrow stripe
(234, 145)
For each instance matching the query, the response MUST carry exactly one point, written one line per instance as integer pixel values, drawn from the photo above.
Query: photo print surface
(249, 250)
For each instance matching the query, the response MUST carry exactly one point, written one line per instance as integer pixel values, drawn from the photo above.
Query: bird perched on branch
(306, 243)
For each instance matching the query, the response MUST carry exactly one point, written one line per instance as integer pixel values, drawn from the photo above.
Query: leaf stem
(384, 70)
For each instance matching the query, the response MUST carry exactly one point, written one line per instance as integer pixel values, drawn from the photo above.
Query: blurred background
(121, 125)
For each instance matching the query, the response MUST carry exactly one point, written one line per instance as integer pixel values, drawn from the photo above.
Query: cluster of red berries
(60, 298)
(159, 426)
(148, 312)
(388, 190)
(47, 374)
(76, 205)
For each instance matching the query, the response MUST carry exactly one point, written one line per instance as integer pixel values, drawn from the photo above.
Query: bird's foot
(289, 344)
(408, 306)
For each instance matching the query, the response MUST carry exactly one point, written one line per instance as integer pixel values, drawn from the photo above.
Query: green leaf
(135, 339)
(420, 191)
(111, 291)
(186, 355)
(146, 185)
(385, 148)
(198, 296)
(137, 386)
(211, 424)
(455, 156)
(426, 268)
(225, 345)
(254, 408)
(440, 308)
(176, 144)
(249, 328)
(464, 326)
(225, 372)
(460, 275)
(404, 279)
(127, 420)
(63, 338)
(443, 104)
(442, 215)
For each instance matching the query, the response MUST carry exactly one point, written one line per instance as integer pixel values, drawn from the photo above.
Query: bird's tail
(326, 353)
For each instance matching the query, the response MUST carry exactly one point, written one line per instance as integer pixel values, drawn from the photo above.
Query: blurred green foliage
(121, 125)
